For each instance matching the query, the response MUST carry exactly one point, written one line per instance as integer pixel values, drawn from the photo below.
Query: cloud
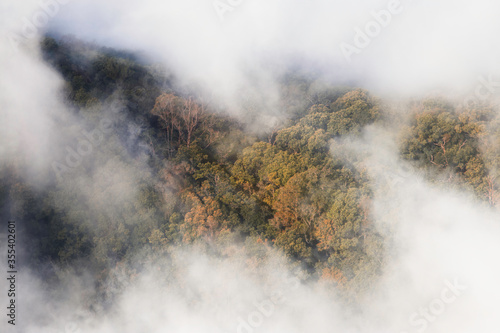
(422, 45)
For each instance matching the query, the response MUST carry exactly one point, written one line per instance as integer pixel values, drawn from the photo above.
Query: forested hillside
(202, 177)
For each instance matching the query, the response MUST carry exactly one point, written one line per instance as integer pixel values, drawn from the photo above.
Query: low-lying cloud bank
(441, 279)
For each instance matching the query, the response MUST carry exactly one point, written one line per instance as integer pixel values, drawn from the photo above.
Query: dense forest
(198, 175)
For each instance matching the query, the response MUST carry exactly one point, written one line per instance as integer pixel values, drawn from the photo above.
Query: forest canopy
(210, 180)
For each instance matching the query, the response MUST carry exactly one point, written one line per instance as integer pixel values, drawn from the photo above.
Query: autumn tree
(457, 142)
(352, 111)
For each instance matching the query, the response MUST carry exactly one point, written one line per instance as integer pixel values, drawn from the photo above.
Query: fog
(419, 45)
(440, 273)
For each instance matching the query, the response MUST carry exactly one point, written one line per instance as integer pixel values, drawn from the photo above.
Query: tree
(204, 220)
(181, 118)
(450, 141)
(351, 112)
(341, 230)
